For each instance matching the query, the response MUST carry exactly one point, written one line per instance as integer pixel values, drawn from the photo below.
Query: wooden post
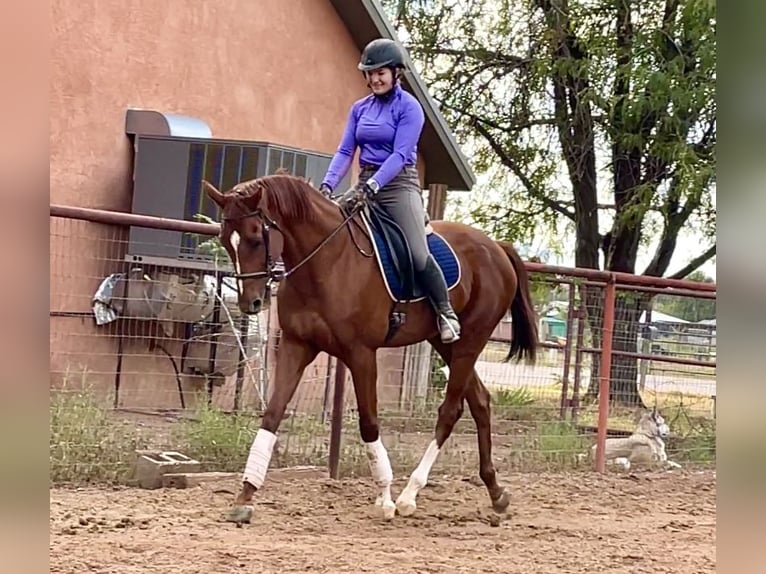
(337, 419)
(437, 200)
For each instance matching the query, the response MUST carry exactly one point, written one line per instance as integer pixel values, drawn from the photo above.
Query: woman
(386, 126)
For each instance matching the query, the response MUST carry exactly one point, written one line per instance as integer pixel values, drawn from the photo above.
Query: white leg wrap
(259, 458)
(406, 502)
(419, 477)
(380, 468)
(380, 465)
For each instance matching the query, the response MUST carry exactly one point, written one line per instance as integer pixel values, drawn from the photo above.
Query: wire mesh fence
(152, 355)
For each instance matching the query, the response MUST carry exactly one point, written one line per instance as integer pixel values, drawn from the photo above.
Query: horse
(333, 299)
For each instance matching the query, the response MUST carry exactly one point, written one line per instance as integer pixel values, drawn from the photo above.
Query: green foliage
(566, 105)
(513, 397)
(556, 444)
(698, 445)
(220, 441)
(212, 246)
(687, 308)
(516, 404)
(544, 293)
(87, 444)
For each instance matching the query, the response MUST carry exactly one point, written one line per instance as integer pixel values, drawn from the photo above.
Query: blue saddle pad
(437, 246)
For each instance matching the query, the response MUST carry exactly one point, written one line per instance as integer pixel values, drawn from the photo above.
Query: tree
(601, 113)
(687, 308)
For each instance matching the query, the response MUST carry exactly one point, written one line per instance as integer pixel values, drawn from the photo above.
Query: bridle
(273, 274)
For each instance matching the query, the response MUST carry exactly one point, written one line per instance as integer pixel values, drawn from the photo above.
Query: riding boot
(433, 282)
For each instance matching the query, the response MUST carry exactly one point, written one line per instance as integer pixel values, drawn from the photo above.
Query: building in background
(277, 71)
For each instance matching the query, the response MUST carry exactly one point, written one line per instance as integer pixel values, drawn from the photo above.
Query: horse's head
(245, 226)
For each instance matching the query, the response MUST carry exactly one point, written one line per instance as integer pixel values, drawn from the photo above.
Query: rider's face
(380, 80)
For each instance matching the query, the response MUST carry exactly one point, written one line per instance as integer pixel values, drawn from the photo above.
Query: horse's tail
(524, 337)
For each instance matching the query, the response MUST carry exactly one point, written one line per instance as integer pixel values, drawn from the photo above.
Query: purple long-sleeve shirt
(386, 129)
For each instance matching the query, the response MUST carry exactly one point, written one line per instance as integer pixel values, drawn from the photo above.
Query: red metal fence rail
(574, 347)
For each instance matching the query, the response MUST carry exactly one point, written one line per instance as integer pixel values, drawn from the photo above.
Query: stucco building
(280, 71)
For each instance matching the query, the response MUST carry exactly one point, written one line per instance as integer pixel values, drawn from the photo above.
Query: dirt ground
(559, 523)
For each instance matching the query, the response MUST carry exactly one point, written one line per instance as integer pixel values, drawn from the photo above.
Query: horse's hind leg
(364, 371)
(461, 366)
(292, 359)
(478, 399)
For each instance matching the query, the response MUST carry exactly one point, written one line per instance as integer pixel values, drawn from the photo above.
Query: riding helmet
(381, 53)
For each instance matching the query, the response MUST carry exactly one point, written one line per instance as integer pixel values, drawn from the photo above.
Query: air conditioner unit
(167, 182)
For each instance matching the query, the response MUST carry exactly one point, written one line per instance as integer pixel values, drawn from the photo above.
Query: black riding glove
(325, 190)
(357, 195)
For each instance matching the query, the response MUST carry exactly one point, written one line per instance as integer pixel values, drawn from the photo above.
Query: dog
(645, 445)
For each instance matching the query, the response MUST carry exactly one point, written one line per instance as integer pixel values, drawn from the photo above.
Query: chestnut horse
(333, 299)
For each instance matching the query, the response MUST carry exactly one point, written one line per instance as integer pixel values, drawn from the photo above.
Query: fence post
(606, 368)
(565, 402)
(337, 418)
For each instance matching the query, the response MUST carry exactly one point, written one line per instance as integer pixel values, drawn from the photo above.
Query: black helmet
(381, 53)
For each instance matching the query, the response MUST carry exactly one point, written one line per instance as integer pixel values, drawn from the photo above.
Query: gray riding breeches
(402, 200)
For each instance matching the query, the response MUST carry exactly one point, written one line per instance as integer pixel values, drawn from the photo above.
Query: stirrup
(449, 328)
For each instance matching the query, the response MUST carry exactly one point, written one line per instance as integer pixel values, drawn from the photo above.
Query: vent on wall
(168, 174)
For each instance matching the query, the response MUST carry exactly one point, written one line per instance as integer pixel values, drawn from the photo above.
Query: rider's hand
(357, 195)
(368, 189)
(350, 198)
(325, 190)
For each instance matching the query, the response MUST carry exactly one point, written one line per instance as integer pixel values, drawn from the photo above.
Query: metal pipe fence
(154, 354)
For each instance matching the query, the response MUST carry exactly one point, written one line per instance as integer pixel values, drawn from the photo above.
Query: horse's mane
(285, 195)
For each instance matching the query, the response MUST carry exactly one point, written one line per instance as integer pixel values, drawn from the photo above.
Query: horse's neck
(302, 238)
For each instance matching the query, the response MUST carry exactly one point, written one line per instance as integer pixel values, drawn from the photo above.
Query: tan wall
(249, 69)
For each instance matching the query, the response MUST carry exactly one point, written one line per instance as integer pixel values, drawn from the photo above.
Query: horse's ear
(214, 194)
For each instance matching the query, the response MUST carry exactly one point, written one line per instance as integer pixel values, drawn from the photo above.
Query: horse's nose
(251, 307)
(255, 306)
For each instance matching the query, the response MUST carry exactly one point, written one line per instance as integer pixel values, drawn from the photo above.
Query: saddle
(394, 259)
(395, 242)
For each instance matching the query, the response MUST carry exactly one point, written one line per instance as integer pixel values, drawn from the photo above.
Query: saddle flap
(395, 259)
(397, 244)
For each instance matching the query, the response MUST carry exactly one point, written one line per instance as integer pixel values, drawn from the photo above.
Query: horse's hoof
(388, 509)
(406, 507)
(500, 504)
(240, 514)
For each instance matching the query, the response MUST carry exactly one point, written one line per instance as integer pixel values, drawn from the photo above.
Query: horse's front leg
(364, 369)
(450, 411)
(293, 357)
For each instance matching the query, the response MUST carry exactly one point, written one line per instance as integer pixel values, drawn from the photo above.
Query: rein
(272, 274)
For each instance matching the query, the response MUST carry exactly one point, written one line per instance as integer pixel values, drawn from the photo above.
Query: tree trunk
(623, 376)
(623, 383)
